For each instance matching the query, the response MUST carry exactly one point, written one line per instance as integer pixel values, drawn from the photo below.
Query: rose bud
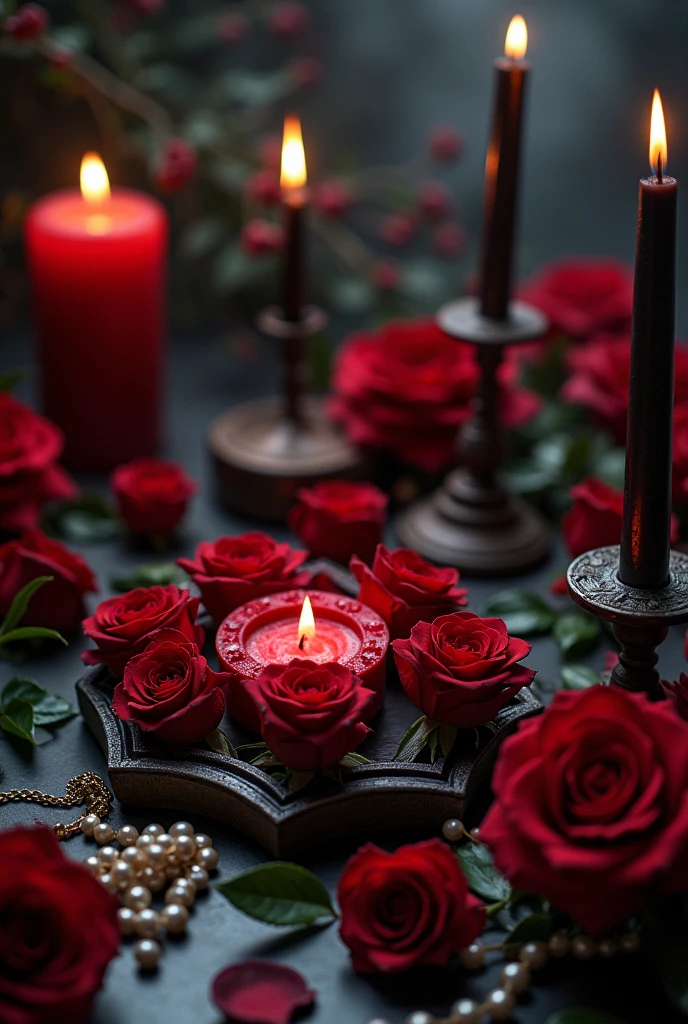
(152, 495)
(121, 626)
(310, 715)
(169, 690)
(58, 604)
(338, 519)
(408, 907)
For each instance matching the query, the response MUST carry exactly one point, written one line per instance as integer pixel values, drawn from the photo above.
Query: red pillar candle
(271, 631)
(97, 262)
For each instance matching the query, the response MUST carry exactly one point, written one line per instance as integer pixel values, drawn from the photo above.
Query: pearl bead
(185, 848)
(109, 883)
(187, 884)
(122, 873)
(88, 823)
(475, 832)
(208, 858)
(154, 880)
(147, 952)
(138, 898)
(148, 924)
(127, 921)
(166, 841)
(630, 942)
(108, 855)
(202, 840)
(472, 958)
(181, 828)
(134, 856)
(453, 830)
(419, 1017)
(516, 977)
(583, 947)
(183, 896)
(173, 871)
(534, 954)
(103, 833)
(157, 857)
(175, 918)
(606, 948)
(500, 1004)
(93, 864)
(153, 830)
(199, 876)
(559, 944)
(467, 1011)
(127, 835)
(144, 841)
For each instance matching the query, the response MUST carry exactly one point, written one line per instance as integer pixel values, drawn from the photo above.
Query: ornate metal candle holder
(264, 451)
(473, 521)
(641, 618)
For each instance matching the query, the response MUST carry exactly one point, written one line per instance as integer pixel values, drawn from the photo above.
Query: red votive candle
(270, 631)
(97, 262)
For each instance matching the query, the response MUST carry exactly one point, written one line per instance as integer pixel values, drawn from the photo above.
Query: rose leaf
(481, 874)
(86, 520)
(579, 677)
(218, 741)
(10, 378)
(31, 633)
(534, 928)
(415, 739)
(447, 738)
(20, 603)
(17, 718)
(354, 760)
(524, 614)
(582, 1015)
(297, 780)
(279, 893)
(576, 633)
(154, 574)
(48, 708)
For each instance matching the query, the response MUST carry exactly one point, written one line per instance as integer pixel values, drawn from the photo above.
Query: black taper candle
(294, 201)
(293, 283)
(645, 539)
(502, 174)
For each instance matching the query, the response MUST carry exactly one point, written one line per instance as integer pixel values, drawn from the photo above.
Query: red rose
(58, 604)
(591, 808)
(339, 519)
(678, 692)
(408, 907)
(583, 296)
(169, 690)
(404, 589)
(59, 931)
(407, 388)
(680, 454)
(594, 519)
(121, 626)
(233, 570)
(177, 166)
(29, 474)
(461, 669)
(152, 495)
(310, 715)
(28, 23)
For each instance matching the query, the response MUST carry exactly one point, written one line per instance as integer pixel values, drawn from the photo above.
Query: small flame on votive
(516, 38)
(95, 184)
(306, 622)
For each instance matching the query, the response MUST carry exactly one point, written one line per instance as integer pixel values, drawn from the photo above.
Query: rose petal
(260, 992)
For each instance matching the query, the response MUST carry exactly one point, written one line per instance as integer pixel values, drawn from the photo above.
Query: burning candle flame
(306, 622)
(516, 38)
(658, 141)
(293, 173)
(95, 184)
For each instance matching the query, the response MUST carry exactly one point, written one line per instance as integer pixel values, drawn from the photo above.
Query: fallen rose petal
(260, 992)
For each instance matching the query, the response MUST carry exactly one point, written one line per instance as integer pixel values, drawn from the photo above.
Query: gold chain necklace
(87, 789)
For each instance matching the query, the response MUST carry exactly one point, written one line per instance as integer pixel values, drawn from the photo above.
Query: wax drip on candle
(306, 623)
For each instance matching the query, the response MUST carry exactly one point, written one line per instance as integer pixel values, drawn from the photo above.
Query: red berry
(176, 167)
(307, 72)
(28, 23)
(264, 187)
(435, 200)
(445, 144)
(232, 27)
(332, 198)
(261, 236)
(270, 152)
(398, 229)
(386, 275)
(288, 19)
(449, 240)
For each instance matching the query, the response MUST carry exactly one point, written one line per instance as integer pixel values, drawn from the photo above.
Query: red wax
(98, 275)
(265, 632)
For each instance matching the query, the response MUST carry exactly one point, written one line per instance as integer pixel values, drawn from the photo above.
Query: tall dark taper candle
(294, 200)
(502, 173)
(647, 489)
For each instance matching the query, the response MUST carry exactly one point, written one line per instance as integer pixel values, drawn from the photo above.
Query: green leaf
(154, 574)
(423, 281)
(524, 613)
(87, 520)
(526, 477)
(201, 237)
(415, 739)
(17, 718)
(279, 893)
(579, 677)
(31, 633)
(481, 874)
(10, 378)
(319, 359)
(576, 633)
(48, 708)
(447, 738)
(610, 466)
(582, 1015)
(354, 760)
(298, 780)
(535, 927)
(20, 603)
(253, 89)
(351, 295)
(219, 742)
(234, 270)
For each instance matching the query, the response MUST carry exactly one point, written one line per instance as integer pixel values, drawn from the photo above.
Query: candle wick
(302, 642)
(659, 168)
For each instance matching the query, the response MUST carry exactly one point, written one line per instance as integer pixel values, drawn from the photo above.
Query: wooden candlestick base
(264, 451)
(641, 618)
(473, 522)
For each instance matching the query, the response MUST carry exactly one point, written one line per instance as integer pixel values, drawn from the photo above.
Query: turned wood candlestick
(264, 451)
(473, 522)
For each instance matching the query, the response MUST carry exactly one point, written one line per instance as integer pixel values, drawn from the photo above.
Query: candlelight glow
(658, 141)
(95, 184)
(306, 622)
(293, 156)
(516, 38)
